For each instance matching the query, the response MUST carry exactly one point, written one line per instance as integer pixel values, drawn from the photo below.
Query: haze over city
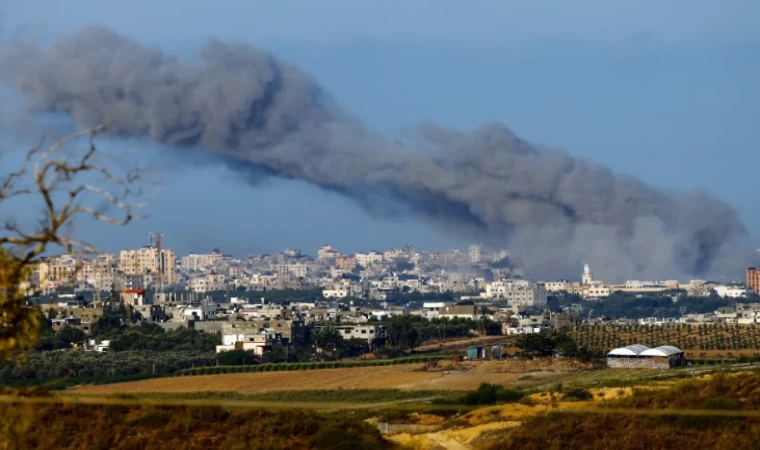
(654, 101)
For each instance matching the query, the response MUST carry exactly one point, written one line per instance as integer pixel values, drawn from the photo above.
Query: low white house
(731, 291)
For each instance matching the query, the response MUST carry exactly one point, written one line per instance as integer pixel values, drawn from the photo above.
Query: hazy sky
(666, 91)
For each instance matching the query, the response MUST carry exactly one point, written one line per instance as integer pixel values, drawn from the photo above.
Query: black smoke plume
(256, 112)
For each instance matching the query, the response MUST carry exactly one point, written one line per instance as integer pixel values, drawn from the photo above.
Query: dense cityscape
(204, 206)
(259, 301)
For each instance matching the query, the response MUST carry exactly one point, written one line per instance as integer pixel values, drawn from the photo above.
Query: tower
(156, 243)
(587, 278)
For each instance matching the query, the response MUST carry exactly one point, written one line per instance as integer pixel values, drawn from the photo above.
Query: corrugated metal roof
(630, 350)
(664, 350)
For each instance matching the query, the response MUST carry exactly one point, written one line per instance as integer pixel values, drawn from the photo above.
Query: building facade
(753, 279)
(520, 293)
(148, 260)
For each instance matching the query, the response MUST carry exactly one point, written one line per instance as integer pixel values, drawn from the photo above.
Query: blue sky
(666, 91)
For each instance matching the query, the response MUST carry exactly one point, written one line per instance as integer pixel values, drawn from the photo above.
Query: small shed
(475, 352)
(496, 351)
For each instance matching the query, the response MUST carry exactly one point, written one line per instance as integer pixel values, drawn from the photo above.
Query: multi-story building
(345, 262)
(297, 270)
(368, 259)
(370, 333)
(66, 270)
(730, 291)
(480, 254)
(556, 286)
(753, 279)
(148, 260)
(519, 293)
(326, 252)
(596, 291)
(199, 262)
(207, 283)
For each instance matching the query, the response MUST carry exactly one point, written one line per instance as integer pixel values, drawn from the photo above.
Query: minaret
(587, 278)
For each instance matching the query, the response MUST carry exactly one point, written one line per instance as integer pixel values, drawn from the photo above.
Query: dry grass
(77, 426)
(464, 376)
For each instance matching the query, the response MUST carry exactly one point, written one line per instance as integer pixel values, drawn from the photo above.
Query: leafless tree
(70, 183)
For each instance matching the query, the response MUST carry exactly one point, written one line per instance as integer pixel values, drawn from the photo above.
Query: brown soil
(448, 376)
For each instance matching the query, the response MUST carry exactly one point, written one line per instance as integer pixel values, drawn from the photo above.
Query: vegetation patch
(703, 339)
(72, 426)
(578, 395)
(486, 394)
(314, 395)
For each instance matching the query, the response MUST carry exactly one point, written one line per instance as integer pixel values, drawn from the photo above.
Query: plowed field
(459, 376)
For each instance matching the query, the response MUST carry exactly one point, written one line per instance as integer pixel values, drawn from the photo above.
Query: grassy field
(707, 341)
(354, 396)
(448, 376)
(399, 398)
(79, 426)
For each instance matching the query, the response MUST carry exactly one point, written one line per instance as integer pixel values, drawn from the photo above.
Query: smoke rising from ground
(257, 113)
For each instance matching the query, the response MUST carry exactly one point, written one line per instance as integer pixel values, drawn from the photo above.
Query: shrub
(489, 394)
(578, 395)
(723, 403)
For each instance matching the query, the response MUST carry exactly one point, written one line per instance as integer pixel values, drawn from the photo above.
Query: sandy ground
(468, 375)
(494, 418)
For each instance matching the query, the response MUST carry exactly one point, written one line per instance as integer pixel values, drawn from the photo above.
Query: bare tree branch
(68, 186)
(57, 182)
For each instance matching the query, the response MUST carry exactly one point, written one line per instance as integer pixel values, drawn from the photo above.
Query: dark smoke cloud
(255, 112)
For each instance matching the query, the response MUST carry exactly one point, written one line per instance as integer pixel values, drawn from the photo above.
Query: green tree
(546, 343)
(403, 332)
(236, 358)
(327, 338)
(70, 335)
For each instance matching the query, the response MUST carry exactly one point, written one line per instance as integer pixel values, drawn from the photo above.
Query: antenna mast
(157, 242)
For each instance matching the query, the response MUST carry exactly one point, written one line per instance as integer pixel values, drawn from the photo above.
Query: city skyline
(632, 63)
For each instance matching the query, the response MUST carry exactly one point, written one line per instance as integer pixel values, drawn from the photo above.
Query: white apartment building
(520, 293)
(369, 259)
(730, 291)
